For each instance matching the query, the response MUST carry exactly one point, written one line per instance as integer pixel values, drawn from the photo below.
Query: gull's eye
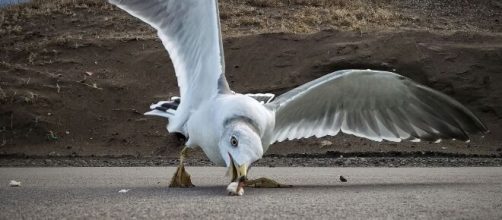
(233, 141)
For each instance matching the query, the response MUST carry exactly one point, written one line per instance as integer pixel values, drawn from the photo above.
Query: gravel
(331, 159)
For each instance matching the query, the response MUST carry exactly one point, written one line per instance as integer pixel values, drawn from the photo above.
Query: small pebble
(343, 179)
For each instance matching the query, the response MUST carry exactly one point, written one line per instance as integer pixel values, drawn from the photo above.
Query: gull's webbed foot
(181, 178)
(265, 183)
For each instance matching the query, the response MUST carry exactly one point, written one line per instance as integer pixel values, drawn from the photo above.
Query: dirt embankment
(76, 80)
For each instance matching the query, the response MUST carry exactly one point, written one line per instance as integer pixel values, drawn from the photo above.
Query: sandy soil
(76, 78)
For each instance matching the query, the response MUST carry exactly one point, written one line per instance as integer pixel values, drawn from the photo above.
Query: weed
(3, 95)
(51, 136)
(30, 98)
(32, 57)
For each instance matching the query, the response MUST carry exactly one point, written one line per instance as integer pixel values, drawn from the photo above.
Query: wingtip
(156, 112)
(150, 113)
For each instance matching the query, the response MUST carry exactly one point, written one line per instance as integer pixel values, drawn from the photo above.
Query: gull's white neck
(206, 124)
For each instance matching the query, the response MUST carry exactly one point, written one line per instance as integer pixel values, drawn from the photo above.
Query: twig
(59, 88)
(11, 121)
(94, 85)
(13, 97)
(2, 94)
(2, 18)
(31, 57)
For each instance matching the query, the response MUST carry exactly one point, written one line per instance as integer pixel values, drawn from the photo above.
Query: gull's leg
(181, 178)
(264, 183)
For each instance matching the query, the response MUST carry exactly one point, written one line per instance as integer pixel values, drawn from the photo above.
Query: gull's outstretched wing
(189, 30)
(377, 105)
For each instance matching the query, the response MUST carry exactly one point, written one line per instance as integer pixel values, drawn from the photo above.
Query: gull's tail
(166, 109)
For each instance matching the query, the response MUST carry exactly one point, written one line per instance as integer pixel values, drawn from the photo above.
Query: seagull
(234, 130)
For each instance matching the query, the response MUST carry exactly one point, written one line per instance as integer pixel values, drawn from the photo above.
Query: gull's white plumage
(189, 30)
(378, 105)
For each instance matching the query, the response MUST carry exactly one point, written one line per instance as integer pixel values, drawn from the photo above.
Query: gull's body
(206, 124)
(234, 130)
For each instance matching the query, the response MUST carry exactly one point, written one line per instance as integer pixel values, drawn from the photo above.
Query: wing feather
(377, 105)
(190, 32)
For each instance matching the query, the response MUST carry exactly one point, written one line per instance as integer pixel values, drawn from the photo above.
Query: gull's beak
(242, 172)
(239, 172)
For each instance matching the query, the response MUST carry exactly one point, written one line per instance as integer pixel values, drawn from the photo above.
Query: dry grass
(315, 3)
(305, 16)
(37, 7)
(24, 96)
(239, 17)
(48, 7)
(3, 96)
(30, 28)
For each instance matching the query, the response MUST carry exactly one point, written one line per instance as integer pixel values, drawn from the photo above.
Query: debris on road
(124, 190)
(343, 179)
(234, 189)
(14, 183)
(326, 143)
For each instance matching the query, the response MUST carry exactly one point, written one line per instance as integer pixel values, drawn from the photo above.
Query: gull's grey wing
(377, 105)
(190, 31)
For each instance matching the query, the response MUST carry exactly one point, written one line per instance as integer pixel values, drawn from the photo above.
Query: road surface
(378, 193)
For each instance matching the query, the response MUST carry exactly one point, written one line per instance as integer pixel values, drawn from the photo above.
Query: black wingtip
(170, 105)
(161, 108)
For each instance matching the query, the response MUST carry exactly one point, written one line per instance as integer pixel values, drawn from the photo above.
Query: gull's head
(240, 146)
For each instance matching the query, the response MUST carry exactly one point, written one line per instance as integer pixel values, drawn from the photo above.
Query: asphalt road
(378, 193)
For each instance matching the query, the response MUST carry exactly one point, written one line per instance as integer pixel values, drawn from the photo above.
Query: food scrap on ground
(14, 183)
(234, 189)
